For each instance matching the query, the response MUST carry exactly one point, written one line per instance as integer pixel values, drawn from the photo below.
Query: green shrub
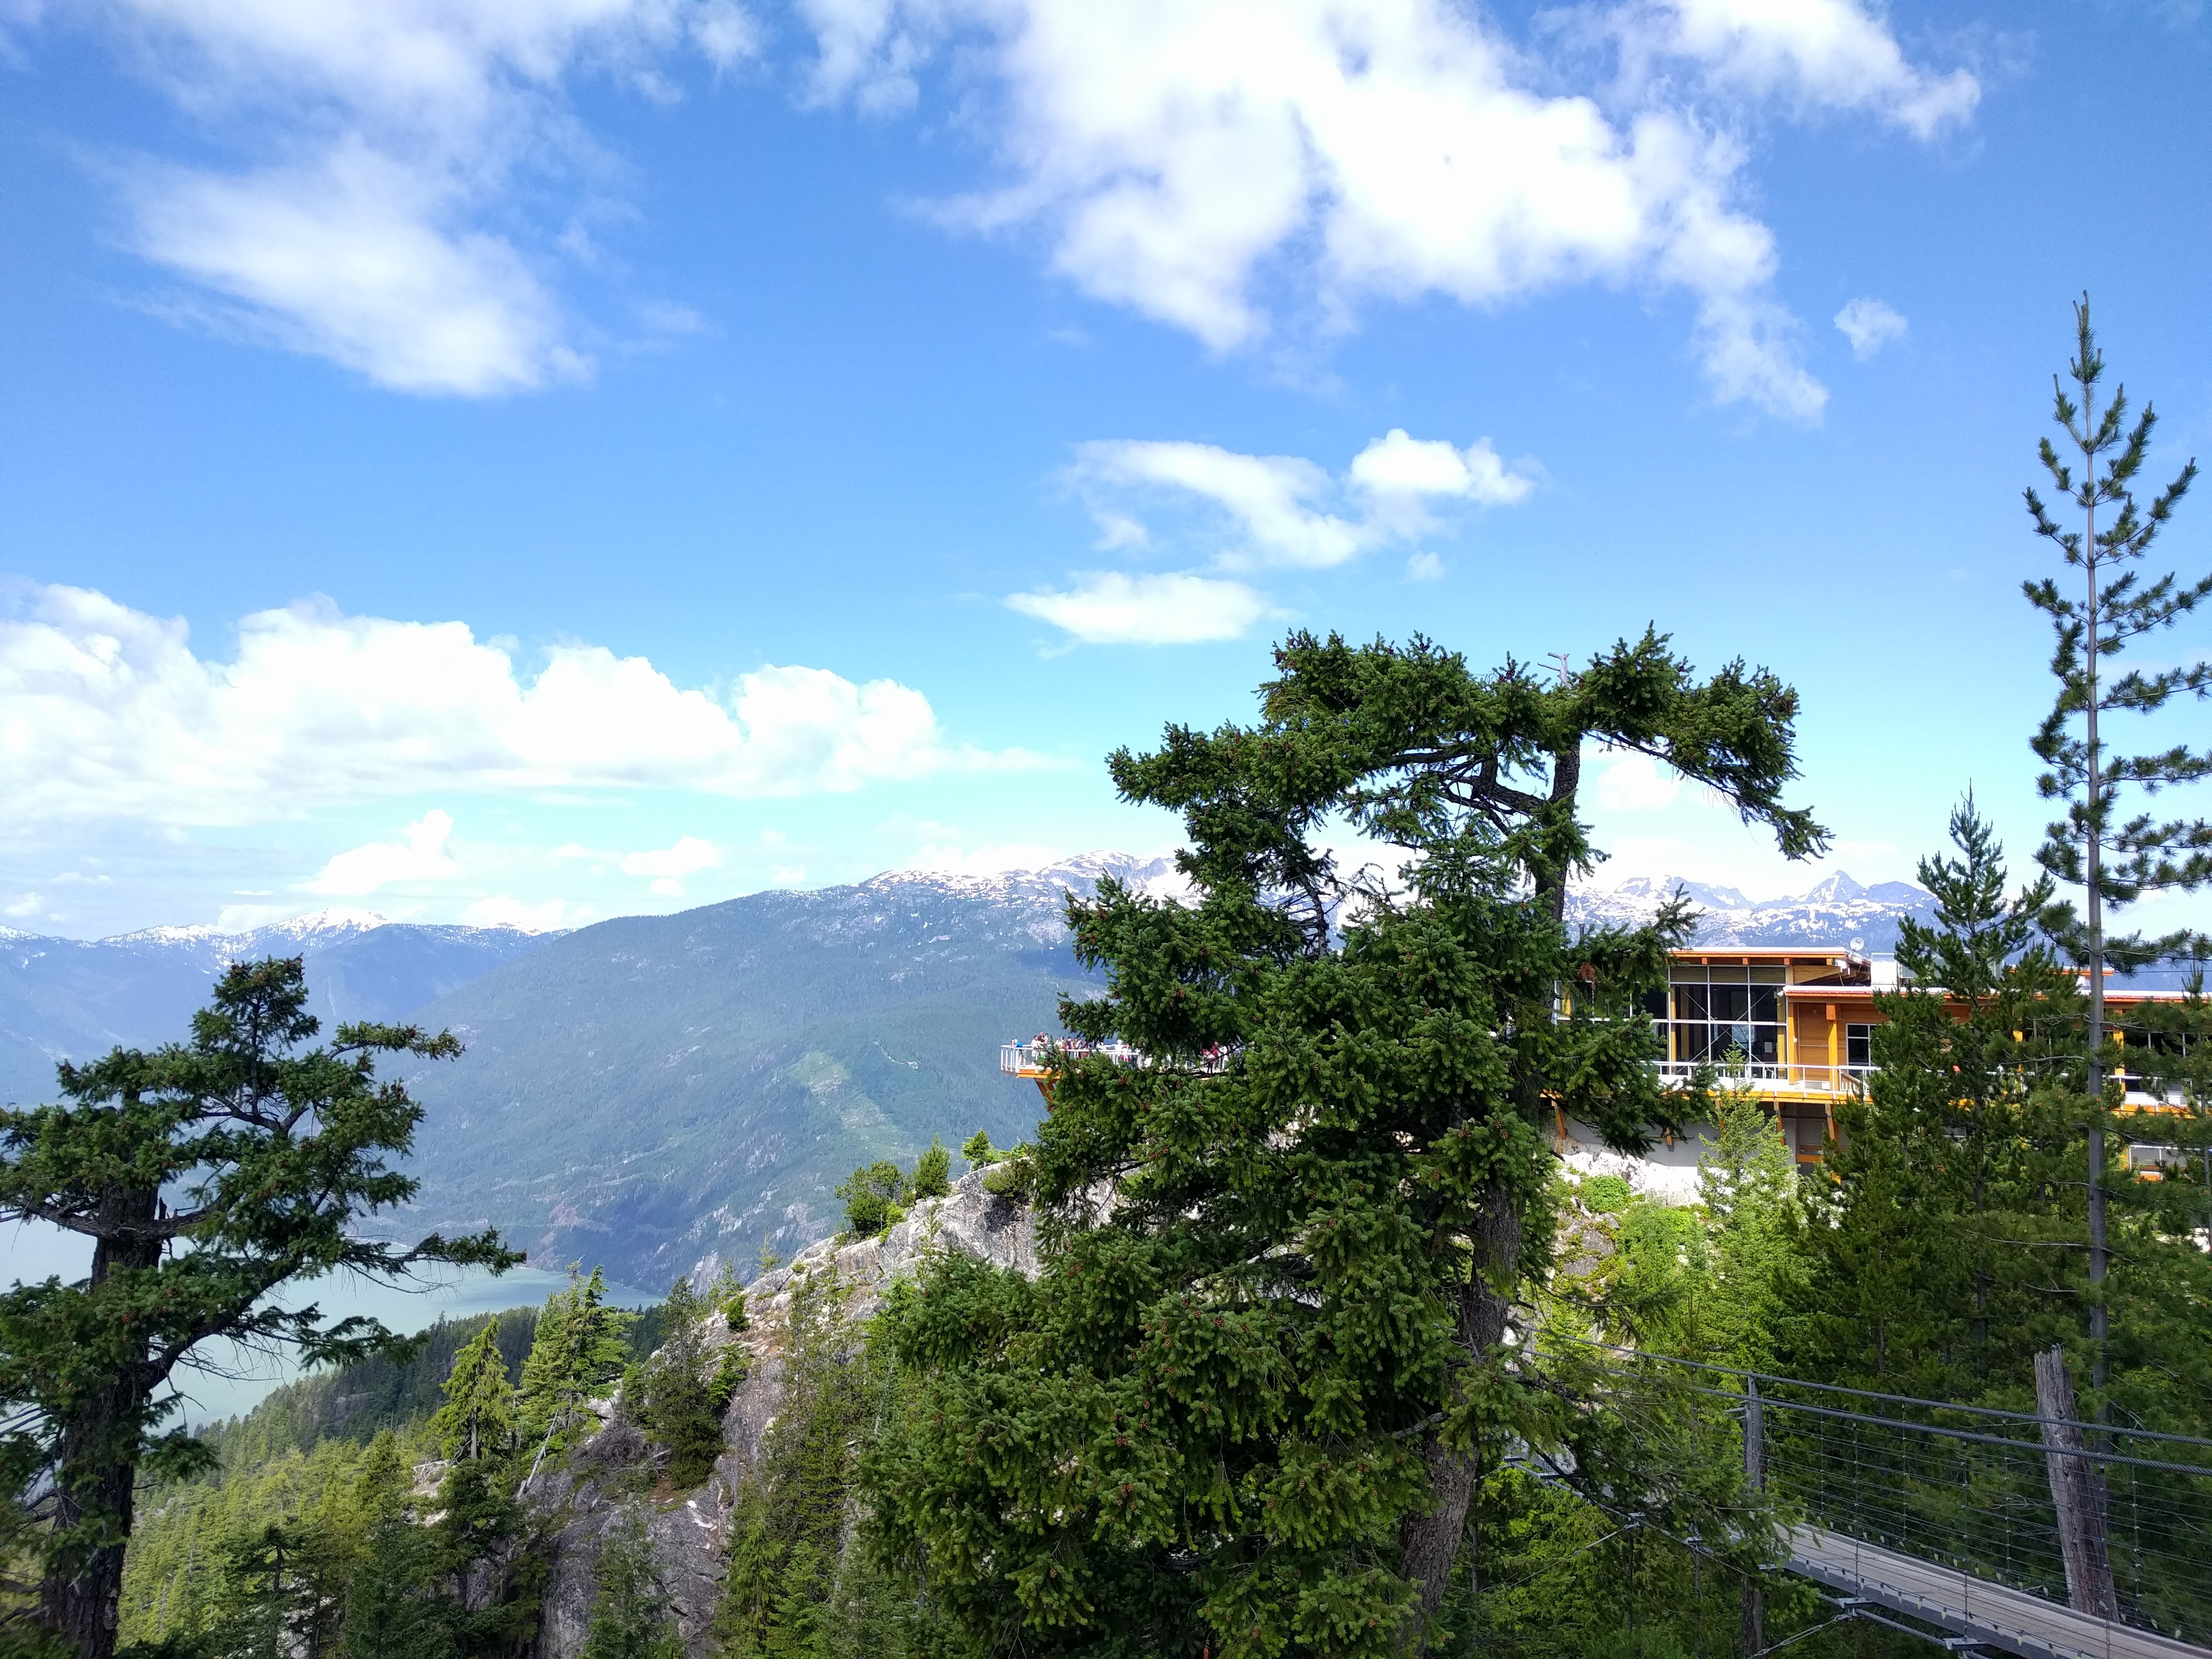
(932, 1175)
(1605, 1194)
(873, 1197)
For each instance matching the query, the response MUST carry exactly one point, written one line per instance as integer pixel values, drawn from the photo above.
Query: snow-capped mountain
(1837, 911)
(67, 998)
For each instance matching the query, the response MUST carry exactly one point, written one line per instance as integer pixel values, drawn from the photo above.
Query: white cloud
(1869, 325)
(687, 857)
(106, 712)
(1183, 157)
(1111, 608)
(1424, 568)
(671, 864)
(364, 234)
(1266, 496)
(354, 257)
(1827, 54)
(1396, 463)
(1636, 783)
(1278, 506)
(504, 912)
(421, 857)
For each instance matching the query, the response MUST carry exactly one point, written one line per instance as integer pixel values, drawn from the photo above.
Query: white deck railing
(1030, 1059)
(1765, 1077)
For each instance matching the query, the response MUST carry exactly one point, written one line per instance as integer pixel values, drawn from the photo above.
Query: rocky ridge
(690, 1534)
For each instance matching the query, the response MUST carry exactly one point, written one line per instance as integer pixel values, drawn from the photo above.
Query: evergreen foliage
(630, 1615)
(932, 1171)
(478, 1417)
(1952, 1246)
(2114, 859)
(208, 1174)
(1246, 1404)
(676, 1395)
(1748, 1189)
(793, 1590)
(878, 1195)
(875, 1197)
(577, 1352)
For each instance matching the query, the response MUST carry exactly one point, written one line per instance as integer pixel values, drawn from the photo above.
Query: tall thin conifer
(2114, 858)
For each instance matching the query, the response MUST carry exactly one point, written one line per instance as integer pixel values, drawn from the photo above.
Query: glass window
(1763, 1001)
(1690, 1002)
(1731, 1002)
(1768, 975)
(1654, 1004)
(1858, 1045)
(1766, 1044)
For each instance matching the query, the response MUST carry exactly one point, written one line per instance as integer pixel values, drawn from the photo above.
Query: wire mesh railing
(1968, 1488)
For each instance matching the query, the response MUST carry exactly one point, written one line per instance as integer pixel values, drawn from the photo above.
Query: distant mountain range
(654, 1092)
(67, 998)
(659, 1090)
(1838, 911)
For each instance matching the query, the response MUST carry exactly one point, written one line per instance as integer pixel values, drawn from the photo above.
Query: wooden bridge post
(2077, 1491)
(1750, 1629)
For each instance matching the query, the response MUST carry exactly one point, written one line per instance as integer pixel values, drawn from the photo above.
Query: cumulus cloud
(107, 711)
(421, 856)
(1112, 608)
(1267, 497)
(1285, 511)
(1636, 783)
(1254, 513)
(1180, 157)
(1820, 54)
(671, 864)
(1869, 325)
(366, 234)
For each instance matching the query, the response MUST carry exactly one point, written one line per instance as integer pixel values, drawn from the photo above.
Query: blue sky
(543, 459)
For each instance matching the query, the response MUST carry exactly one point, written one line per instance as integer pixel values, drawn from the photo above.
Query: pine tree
(932, 1172)
(630, 1613)
(392, 1607)
(1247, 1403)
(1747, 1188)
(575, 1353)
(874, 1196)
(208, 1174)
(674, 1391)
(2113, 857)
(477, 1419)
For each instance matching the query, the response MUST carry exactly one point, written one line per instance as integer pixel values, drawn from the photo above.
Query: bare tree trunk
(2077, 1492)
(1430, 1542)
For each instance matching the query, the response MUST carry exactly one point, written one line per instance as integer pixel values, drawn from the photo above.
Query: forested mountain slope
(656, 1091)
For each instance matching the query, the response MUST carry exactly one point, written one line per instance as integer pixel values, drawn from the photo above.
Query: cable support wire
(1969, 1500)
(2030, 1419)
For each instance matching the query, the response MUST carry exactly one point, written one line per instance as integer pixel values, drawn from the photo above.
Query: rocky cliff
(613, 1473)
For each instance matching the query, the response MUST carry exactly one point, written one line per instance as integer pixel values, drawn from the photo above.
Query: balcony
(1772, 1081)
(1028, 1059)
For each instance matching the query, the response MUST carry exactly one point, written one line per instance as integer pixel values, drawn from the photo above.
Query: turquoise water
(230, 1381)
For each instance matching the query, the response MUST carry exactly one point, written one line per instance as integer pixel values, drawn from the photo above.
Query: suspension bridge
(1979, 1529)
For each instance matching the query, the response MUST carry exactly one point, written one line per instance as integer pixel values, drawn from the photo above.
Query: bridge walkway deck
(1989, 1614)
